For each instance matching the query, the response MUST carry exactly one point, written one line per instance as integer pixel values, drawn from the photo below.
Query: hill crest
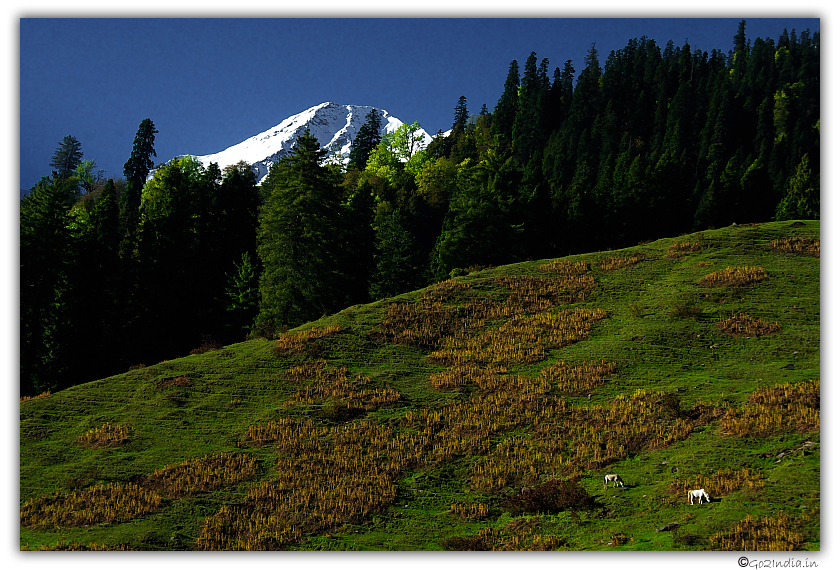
(436, 408)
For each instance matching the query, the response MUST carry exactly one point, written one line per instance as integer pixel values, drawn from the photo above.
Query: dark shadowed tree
(395, 257)
(461, 113)
(140, 163)
(66, 158)
(45, 269)
(505, 113)
(300, 240)
(366, 140)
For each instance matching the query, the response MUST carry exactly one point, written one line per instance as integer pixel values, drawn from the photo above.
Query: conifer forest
(642, 143)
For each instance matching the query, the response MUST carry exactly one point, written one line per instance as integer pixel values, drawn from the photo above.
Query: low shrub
(208, 343)
(552, 496)
(687, 311)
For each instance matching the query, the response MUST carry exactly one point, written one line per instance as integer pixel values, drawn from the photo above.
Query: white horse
(616, 480)
(698, 494)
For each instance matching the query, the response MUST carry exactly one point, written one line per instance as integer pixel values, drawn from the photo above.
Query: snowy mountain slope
(335, 126)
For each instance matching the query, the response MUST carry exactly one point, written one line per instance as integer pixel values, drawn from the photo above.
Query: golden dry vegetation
(745, 325)
(334, 384)
(798, 245)
(734, 277)
(105, 436)
(99, 504)
(38, 397)
(760, 534)
(63, 545)
(680, 249)
(296, 342)
(620, 261)
(724, 482)
(118, 502)
(470, 511)
(783, 407)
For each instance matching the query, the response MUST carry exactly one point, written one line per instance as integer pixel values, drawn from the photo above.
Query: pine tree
(45, 288)
(66, 158)
(299, 241)
(461, 113)
(243, 295)
(527, 125)
(802, 200)
(366, 140)
(395, 257)
(504, 114)
(140, 163)
(168, 259)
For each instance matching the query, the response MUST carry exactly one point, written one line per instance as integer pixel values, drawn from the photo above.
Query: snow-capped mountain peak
(335, 126)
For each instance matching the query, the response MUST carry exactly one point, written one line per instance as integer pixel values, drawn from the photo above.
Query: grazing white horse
(616, 480)
(698, 494)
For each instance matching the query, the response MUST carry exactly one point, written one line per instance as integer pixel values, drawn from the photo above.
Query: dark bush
(618, 539)
(208, 343)
(551, 497)
(687, 311)
(484, 540)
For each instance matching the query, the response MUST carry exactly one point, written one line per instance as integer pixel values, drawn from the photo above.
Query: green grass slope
(480, 413)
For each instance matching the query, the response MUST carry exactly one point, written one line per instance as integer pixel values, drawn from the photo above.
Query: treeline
(120, 273)
(656, 143)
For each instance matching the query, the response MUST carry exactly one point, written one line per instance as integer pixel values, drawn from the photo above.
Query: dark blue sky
(210, 83)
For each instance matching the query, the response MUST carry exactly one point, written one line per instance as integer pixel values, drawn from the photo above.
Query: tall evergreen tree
(366, 140)
(504, 114)
(140, 163)
(66, 158)
(395, 257)
(527, 136)
(802, 200)
(243, 296)
(45, 287)
(299, 241)
(461, 113)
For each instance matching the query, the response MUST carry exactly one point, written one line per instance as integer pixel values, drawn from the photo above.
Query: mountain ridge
(333, 124)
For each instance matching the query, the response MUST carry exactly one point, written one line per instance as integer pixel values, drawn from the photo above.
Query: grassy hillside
(480, 413)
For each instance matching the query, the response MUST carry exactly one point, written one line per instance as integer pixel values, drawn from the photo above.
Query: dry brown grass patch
(621, 261)
(511, 537)
(745, 325)
(781, 408)
(724, 482)
(180, 381)
(346, 394)
(797, 245)
(734, 277)
(40, 396)
(298, 342)
(680, 249)
(108, 435)
(578, 379)
(202, 474)
(760, 534)
(470, 511)
(63, 545)
(99, 504)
